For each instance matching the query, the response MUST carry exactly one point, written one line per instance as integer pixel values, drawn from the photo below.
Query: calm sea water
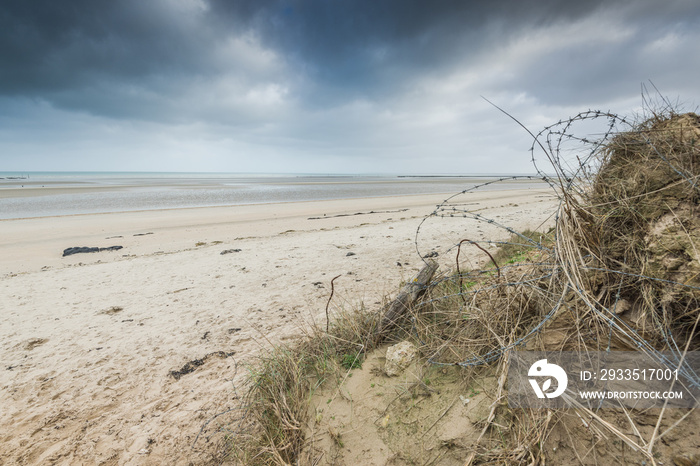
(30, 194)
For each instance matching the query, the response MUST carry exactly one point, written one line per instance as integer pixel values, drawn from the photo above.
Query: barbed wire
(570, 180)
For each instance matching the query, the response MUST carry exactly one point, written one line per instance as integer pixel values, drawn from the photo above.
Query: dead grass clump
(280, 386)
(468, 324)
(620, 271)
(647, 175)
(643, 219)
(470, 317)
(283, 380)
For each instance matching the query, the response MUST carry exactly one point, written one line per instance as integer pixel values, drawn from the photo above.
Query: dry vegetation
(620, 270)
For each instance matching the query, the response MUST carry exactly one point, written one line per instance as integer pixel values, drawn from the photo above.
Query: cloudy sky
(323, 86)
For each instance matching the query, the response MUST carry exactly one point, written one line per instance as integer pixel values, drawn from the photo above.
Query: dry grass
(619, 271)
(282, 381)
(644, 218)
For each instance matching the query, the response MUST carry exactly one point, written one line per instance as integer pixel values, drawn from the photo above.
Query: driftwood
(407, 296)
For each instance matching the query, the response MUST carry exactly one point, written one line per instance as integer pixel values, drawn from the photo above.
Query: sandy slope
(88, 342)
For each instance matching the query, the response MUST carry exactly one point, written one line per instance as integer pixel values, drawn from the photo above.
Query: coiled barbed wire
(570, 179)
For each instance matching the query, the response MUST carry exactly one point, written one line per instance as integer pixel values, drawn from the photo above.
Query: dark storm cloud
(339, 50)
(329, 81)
(120, 59)
(368, 48)
(344, 49)
(50, 45)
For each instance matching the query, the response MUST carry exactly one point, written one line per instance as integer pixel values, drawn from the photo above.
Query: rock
(79, 250)
(399, 357)
(229, 251)
(385, 421)
(349, 254)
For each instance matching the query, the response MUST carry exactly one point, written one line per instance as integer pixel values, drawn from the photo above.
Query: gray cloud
(316, 83)
(343, 49)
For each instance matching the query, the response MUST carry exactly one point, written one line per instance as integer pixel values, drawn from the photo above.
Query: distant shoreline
(504, 177)
(72, 194)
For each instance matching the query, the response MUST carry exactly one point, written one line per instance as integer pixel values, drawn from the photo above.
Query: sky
(324, 86)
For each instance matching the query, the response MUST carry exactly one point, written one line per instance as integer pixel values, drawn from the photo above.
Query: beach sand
(89, 341)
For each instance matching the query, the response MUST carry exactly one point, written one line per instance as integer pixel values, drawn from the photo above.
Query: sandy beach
(90, 342)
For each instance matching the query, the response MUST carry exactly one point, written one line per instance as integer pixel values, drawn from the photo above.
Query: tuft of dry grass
(281, 382)
(641, 217)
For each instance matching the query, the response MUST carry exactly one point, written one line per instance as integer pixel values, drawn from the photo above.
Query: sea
(43, 194)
